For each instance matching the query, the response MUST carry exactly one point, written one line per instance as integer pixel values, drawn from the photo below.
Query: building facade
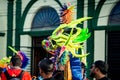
(25, 23)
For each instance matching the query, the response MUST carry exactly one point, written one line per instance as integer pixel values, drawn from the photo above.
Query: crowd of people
(47, 72)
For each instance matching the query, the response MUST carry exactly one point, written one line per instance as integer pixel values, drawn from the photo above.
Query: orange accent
(67, 71)
(3, 65)
(67, 16)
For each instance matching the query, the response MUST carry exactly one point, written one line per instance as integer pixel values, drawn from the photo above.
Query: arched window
(114, 18)
(46, 18)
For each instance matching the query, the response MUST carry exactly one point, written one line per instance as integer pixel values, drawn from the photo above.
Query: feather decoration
(69, 38)
(4, 62)
(66, 14)
(84, 35)
(64, 58)
(24, 58)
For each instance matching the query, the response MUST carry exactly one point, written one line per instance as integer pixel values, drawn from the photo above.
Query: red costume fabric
(13, 72)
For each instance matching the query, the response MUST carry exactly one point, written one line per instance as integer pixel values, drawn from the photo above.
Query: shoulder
(26, 76)
(26, 73)
(10, 73)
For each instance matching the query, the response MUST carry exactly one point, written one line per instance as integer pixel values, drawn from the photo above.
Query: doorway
(38, 53)
(114, 54)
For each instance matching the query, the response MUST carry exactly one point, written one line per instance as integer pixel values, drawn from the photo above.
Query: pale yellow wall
(105, 12)
(99, 48)
(3, 27)
(99, 36)
(25, 47)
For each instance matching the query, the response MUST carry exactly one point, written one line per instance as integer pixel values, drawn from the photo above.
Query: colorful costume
(4, 62)
(5, 65)
(66, 45)
(11, 71)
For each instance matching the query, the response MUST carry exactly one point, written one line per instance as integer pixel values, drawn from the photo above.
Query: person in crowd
(15, 70)
(46, 68)
(83, 71)
(99, 70)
